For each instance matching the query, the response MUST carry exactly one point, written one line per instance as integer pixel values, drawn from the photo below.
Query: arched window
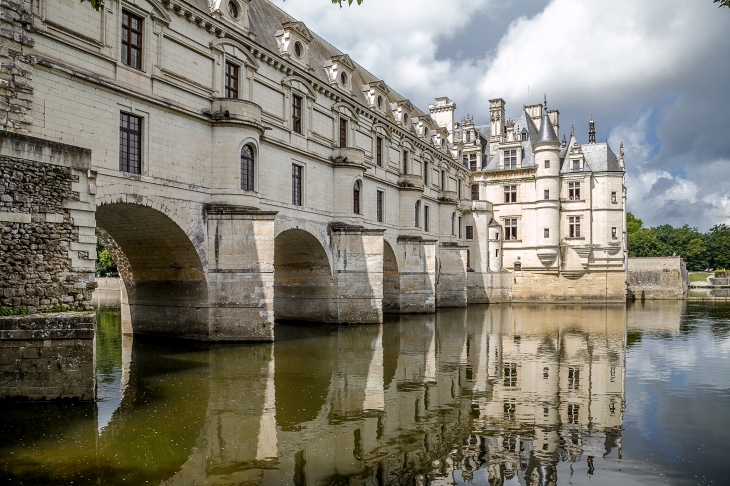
(418, 214)
(453, 224)
(356, 197)
(247, 168)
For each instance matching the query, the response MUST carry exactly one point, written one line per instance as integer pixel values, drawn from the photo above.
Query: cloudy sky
(654, 74)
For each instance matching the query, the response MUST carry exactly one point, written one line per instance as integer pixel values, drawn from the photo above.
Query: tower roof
(547, 132)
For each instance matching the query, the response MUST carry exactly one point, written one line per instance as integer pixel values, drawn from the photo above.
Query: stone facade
(16, 66)
(48, 356)
(246, 170)
(662, 278)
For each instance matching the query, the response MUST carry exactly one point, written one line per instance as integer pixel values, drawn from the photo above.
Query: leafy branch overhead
(723, 3)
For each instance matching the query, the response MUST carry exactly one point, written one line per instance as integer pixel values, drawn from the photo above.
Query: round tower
(547, 159)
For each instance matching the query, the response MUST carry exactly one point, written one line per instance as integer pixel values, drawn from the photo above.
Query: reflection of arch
(162, 270)
(391, 280)
(303, 280)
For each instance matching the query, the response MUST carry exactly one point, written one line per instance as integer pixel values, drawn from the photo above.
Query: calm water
(527, 395)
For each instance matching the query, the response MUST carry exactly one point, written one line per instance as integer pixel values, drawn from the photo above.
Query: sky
(653, 73)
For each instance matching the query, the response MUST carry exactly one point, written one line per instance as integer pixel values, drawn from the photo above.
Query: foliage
(699, 251)
(723, 3)
(63, 308)
(13, 311)
(105, 266)
(359, 2)
(95, 3)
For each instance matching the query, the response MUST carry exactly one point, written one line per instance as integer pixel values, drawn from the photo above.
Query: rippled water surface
(530, 395)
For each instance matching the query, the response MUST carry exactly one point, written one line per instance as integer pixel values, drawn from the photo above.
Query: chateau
(242, 170)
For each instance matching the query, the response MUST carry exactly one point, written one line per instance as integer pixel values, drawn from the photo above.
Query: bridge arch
(163, 269)
(391, 279)
(304, 286)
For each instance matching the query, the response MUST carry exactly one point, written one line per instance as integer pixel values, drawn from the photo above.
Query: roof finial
(545, 102)
(572, 131)
(591, 131)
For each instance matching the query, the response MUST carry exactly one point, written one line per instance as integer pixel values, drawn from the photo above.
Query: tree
(644, 243)
(718, 246)
(105, 266)
(723, 3)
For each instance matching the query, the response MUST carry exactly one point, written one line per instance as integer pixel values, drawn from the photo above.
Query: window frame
(546, 233)
(296, 113)
(574, 227)
(461, 235)
(574, 191)
(248, 169)
(379, 151)
(510, 194)
(297, 185)
(356, 193)
(417, 218)
(509, 155)
(380, 206)
(475, 192)
(343, 132)
(469, 230)
(405, 161)
(126, 46)
(426, 218)
(473, 162)
(510, 229)
(124, 149)
(546, 194)
(547, 164)
(229, 88)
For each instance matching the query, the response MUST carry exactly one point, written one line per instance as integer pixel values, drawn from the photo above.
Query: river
(491, 395)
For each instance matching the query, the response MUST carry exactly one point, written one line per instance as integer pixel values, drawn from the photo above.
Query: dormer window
(524, 136)
(405, 118)
(293, 42)
(343, 79)
(380, 102)
(233, 10)
(339, 71)
(468, 137)
(576, 164)
(298, 49)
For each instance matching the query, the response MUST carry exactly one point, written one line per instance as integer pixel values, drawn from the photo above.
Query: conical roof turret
(547, 132)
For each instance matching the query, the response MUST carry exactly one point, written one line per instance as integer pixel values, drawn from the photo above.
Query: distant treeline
(699, 250)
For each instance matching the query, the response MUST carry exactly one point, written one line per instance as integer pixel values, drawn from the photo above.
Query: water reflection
(489, 395)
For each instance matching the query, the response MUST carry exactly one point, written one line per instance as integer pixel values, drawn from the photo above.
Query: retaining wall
(661, 278)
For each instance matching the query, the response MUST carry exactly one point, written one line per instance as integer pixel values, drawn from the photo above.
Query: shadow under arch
(391, 280)
(303, 282)
(166, 287)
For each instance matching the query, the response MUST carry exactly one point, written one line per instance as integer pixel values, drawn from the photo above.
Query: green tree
(686, 242)
(105, 266)
(723, 3)
(633, 224)
(718, 246)
(644, 243)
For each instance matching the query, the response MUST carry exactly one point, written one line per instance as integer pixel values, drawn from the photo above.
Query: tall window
(425, 173)
(468, 257)
(573, 411)
(379, 151)
(356, 197)
(131, 40)
(573, 378)
(510, 159)
(524, 136)
(443, 180)
(614, 199)
(460, 236)
(380, 196)
(465, 161)
(510, 374)
(418, 214)
(296, 113)
(405, 161)
(614, 232)
(453, 224)
(547, 164)
(130, 143)
(510, 229)
(470, 232)
(343, 132)
(546, 194)
(510, 194)
(574, 226)
(475, 192)
(426, 218)
(231, 80)
(546, 232)
(574, 191)
(468, 137)
(473, 162)
(458, 188)
(247, 169)
(296, 185)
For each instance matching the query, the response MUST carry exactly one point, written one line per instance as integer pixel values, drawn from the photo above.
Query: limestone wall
(489, 288)
(663, 278)
(48, 246)
(591, 287)
(48, 356)
(16, 65)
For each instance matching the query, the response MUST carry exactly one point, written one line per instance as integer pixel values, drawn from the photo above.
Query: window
(380, 101)
(131, 40)
(470, 232)
(460, 227)
(510, 159)
(510, 229)
(405, 161)
(510, 374)
(458, 188)
(453, 224)
(496, 253)
(443, 180)
(298, 49)
(343, 79)
(130, 143)
(343, 132)
(522, 154)
(573, 377)
(468, 137)
(425, 173)
(247, 168)
(356, 197)
(468, 258)
(573, 413)
(546, 232)
(614, 233)
(475, 192)
(524, 136)
(426, 218)
(296, 113)
(380, 196)
(613, 198)
(465, 161)
(379, 151)
(547, 164)
(546, 194)
(296, 185)
(574, 191)
(518, 266)
(233, 10)
(510, 408)
(510, 194)
(574, 226)
(231, 80)
(545, 373)
(473, 162)
(418, 214)
(576, 164)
